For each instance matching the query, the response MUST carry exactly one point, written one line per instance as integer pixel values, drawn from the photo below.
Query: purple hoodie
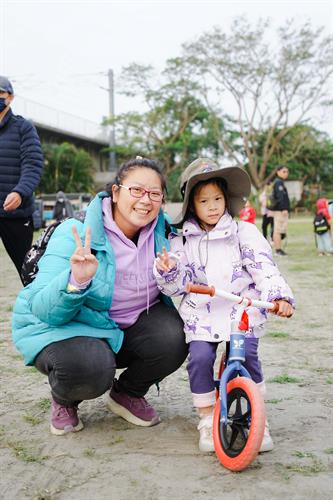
(135, 287)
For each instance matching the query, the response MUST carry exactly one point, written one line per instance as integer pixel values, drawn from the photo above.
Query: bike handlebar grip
(208, 290)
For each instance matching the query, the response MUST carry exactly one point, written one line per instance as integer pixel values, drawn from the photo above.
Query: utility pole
(112, 140)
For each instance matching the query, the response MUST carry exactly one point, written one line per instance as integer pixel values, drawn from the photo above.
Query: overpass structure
(56, 126)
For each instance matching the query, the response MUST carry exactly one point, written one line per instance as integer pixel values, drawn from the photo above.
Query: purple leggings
(202, 356)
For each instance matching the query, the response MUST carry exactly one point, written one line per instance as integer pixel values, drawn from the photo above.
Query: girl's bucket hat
(237, 180)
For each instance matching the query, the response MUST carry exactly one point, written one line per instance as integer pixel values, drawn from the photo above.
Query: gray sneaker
(137, 411)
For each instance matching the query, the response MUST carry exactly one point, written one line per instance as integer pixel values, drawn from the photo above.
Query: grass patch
(44, 404)
(278, 335)
(329, 381)
(274, 401)
(33, 420)
(89, 452)
(285, 379)
(34, 371)
(43, 495)
(307, 470)
(329, 451)
(303, 454)
(116, 440)
(22, 452)
(323, 370)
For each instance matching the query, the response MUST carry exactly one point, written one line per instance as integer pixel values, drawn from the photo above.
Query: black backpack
(30, 262)
(320, 224)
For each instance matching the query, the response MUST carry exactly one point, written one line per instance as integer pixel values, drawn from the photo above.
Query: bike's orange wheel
(237, 444)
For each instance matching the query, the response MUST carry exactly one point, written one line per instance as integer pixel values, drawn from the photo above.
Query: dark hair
(220, 183)
(133, 164)
(280, 167)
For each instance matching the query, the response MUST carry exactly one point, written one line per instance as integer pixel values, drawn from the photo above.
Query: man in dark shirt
(281, 208)
(21, 165)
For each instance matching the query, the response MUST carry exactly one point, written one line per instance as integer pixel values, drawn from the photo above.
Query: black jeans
(266, 222)
(84, 367)
(16, 235)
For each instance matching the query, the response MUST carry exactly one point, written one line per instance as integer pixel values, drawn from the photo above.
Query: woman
(95, 306)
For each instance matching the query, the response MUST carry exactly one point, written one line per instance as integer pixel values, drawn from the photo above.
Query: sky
(59, 53)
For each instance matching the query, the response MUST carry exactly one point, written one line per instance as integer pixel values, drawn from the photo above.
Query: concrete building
(55, 127)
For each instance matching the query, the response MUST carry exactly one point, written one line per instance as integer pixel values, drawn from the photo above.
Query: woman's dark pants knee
(78, 368)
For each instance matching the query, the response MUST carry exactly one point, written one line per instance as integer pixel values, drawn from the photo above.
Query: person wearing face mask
(63, 207)
(21, 165)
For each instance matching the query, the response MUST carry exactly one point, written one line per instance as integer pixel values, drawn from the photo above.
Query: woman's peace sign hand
(83, 263)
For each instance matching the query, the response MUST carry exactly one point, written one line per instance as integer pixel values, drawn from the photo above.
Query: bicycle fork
(234, 363)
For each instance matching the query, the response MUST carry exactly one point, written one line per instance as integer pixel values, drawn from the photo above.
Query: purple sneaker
(137, 411)
(64, 419)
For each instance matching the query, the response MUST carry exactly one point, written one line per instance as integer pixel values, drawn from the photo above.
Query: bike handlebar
(192, 288)
(246, 301)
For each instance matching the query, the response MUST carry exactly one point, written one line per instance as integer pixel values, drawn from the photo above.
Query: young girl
(322, 228)
(248, 213)
(214, 249)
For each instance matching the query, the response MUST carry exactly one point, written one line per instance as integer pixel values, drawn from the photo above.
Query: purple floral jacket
(234, 257)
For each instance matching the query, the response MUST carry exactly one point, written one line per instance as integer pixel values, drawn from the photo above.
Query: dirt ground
(112, 459)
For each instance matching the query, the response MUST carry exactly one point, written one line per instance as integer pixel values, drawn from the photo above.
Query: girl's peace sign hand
(83, 263)
(164, 262)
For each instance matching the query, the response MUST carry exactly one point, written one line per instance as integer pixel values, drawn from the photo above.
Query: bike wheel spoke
(238, 410)
(243, 433)
(234, 435)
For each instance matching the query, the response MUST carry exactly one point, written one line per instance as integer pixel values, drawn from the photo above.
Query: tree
(67, 168)
(176, 125)
(308, 153)
(272, 88)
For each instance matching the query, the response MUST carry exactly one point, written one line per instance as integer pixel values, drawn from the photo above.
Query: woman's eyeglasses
(139, 192)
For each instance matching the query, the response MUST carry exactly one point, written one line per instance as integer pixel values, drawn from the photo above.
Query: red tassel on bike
(244, 322)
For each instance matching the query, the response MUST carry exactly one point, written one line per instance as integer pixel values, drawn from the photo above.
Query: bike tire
(237, 444)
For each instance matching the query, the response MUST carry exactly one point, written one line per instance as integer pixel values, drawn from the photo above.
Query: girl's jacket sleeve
(174, 282)
(257, 260)
(48, 297)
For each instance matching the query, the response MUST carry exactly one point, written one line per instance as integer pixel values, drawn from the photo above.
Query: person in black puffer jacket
(21, 165)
